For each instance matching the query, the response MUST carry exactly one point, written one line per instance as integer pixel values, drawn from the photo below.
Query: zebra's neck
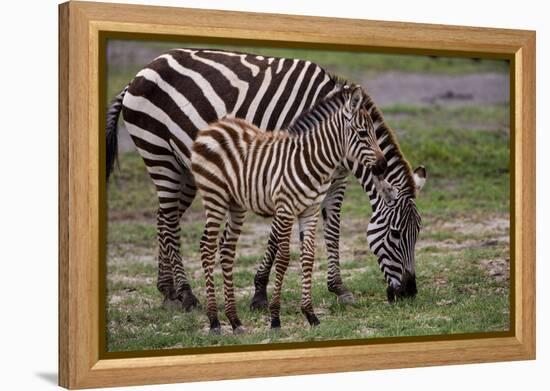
(321, 138)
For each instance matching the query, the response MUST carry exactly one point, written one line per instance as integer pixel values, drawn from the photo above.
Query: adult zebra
(284, 174)
(183, 90)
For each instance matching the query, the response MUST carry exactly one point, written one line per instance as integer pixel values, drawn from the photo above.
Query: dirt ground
(418, 89)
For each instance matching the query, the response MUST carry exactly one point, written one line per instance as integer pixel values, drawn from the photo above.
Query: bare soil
(419, 89)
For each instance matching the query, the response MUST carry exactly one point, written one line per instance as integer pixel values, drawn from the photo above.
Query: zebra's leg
(172, 280)
(208, 248)
(330, 209)
(174, 198)
(167, 238)
(282, 226)
(182, 287)
(259, 301)
(228, 245)
(308, 225)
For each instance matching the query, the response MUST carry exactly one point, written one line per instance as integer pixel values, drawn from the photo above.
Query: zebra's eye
(396, 234)
(363, 133)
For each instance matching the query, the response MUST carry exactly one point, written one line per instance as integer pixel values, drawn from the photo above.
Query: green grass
(466, 303)
(468, 170)
(462, 253)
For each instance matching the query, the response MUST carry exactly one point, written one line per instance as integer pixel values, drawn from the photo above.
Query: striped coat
(238, 167)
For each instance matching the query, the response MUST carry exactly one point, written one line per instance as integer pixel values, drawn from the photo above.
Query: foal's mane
(321, 107)
(383, 132)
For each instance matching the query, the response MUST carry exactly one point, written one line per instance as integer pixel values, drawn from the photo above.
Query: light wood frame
(80, 186)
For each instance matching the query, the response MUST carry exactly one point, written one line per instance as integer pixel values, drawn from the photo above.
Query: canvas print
(267, 195)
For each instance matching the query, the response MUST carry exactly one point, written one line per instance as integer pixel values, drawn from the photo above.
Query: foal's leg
(208, 247)
(308, 225)
(227, 258)
(331, 207)
(282, 227)
(259, 301)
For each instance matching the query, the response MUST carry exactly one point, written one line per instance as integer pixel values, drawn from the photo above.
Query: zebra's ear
(355, 99)
(419, 176)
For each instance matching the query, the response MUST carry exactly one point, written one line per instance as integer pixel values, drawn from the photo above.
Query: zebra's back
(236, 161)
(183, 90)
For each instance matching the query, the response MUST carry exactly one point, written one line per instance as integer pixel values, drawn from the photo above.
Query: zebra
(284, 174)
(394, 225)
(183, 90)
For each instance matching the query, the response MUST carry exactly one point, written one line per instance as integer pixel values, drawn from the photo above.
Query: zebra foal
(238, 167)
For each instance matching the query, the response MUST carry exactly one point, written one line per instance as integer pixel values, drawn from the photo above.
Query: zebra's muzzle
(407, 288)
(380, 166)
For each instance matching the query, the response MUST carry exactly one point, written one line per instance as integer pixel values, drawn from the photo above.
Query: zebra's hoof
(313, 320)
(259, 302)
(346, 298)
(239, 330)
(189, 301)
(275, 324)
(215, 327)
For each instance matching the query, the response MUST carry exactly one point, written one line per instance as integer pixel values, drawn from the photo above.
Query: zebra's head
(361, 143)
(392, 234)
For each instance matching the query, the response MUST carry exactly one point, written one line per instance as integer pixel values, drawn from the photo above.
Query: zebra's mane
(339, 81)
(323, 107)
(385, 135)
(383, 132)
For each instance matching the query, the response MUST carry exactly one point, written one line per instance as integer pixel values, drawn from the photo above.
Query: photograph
(287, 196)
(275, 195)
(240, 199)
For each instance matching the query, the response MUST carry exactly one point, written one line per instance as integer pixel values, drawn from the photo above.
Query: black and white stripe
(238, 168)
(182, 91)
(394, 225)
(179, 93)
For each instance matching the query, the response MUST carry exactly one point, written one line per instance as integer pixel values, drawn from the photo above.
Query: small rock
(490, 243)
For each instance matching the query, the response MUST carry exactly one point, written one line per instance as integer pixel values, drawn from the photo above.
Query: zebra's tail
(112, 131)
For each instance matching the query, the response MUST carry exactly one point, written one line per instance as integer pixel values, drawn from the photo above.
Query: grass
(462, 254)
(448, 302)
(468, 170)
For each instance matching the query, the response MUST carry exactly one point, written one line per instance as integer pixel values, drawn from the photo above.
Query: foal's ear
(355, 99)
(419, 176)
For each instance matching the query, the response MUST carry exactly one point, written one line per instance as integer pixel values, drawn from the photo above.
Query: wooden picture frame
(81, 185)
